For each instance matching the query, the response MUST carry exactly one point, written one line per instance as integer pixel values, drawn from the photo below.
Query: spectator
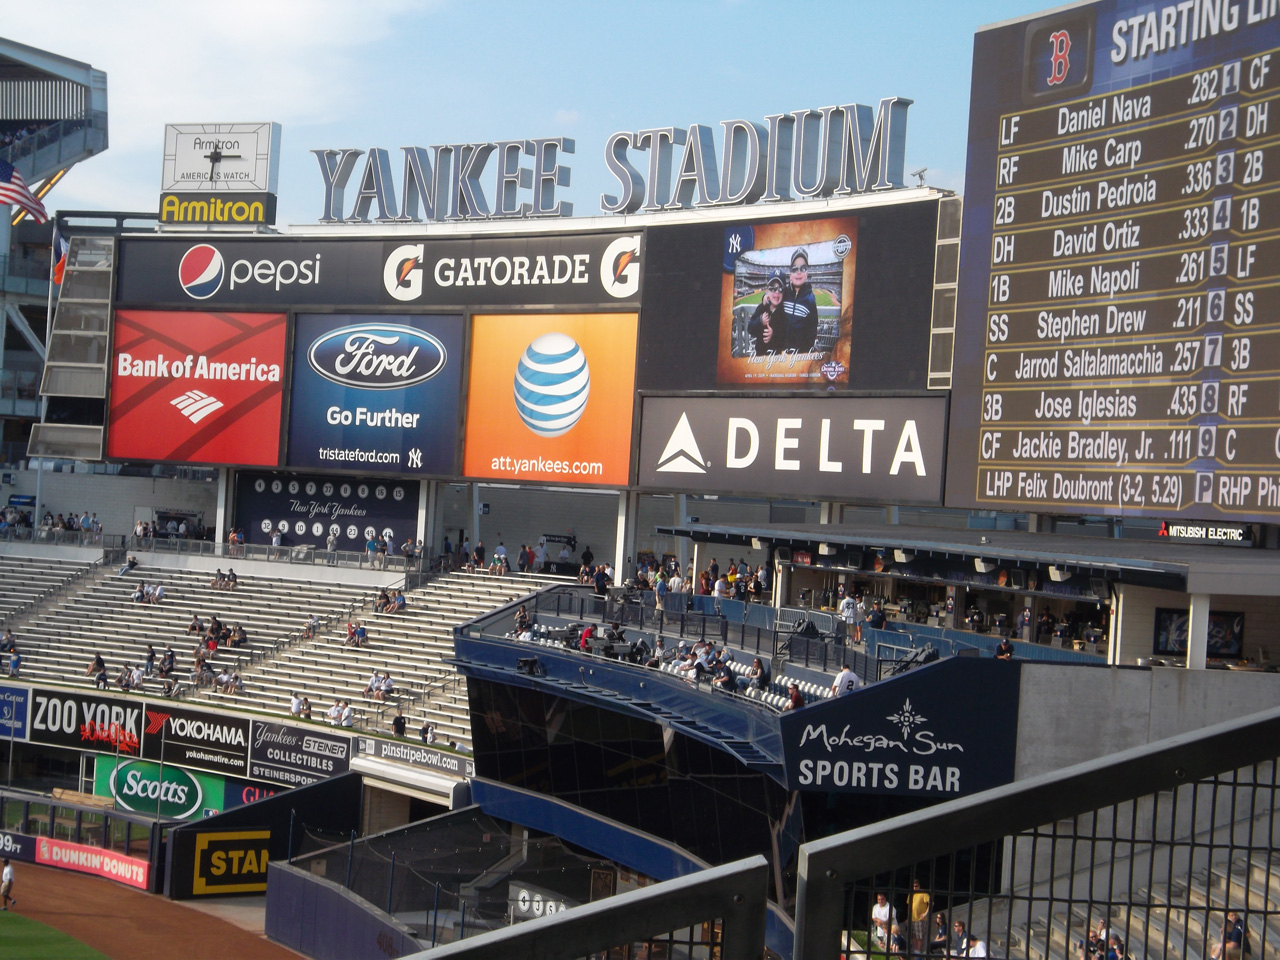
(129, 565)
(374, 685)
(883, 917)
(347, 717)
(428, 733)
(139, 594)
(388, 688)
(311, 628)
(125, 680)
(846, 682)
(295, 705)
(236, 685)
(196, 625)
(399, 603)
(306, 704)
(15, 662)
(8, 641)
(231, 578)
(219, 581)
(795, 699)
(398, 723)
(96, 667)
(150, 666)
(334, 713)
(168, 662)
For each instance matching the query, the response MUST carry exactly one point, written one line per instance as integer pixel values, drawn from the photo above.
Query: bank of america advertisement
(376, 393)
(550, 398)
(196, 387)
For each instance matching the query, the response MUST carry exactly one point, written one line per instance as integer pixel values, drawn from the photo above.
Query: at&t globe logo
(552, 384)
(201, 271)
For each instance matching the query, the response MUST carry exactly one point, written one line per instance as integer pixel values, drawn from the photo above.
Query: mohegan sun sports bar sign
(830, 151)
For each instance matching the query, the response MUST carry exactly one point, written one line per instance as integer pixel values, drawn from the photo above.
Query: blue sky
(391, 73)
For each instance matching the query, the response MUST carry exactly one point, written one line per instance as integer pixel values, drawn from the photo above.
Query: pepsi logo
(201, 271)
(552, 384)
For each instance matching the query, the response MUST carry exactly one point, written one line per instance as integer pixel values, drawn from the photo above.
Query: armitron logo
(681, 454)
(195, 406)
(377, 356)
(620, 267)
(201, 271)
(402, 273)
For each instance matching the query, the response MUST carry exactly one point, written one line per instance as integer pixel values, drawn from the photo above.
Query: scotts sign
(827, 448)
(141, 787)
(564, 270)
(831, 151)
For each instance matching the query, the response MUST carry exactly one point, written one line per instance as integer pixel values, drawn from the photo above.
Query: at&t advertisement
(376, 393)
(550, 398)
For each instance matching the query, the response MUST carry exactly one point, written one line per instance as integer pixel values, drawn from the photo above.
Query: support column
(682, 543)
(828, 512)
(625, 542)
(428, 497)
(220, 529)
(1198, 632)
(1113, 630)
(475, 514)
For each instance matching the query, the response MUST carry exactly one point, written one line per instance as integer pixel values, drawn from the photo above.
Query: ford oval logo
(377, 356)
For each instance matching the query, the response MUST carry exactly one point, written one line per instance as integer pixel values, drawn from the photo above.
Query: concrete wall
(1069, 714)
(118, 501)
(1137, 620)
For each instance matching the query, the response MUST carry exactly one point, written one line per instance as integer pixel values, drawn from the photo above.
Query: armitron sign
(240, 208)
(231, 862)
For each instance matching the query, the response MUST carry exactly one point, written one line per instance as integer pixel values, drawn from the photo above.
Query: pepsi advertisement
(376, 394)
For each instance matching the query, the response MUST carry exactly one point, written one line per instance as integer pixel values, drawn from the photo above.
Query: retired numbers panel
(1118, 347)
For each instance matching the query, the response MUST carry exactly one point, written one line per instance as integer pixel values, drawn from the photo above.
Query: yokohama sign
(197, 387)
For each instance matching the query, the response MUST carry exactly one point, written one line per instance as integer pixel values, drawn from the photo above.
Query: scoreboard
(1118, 315)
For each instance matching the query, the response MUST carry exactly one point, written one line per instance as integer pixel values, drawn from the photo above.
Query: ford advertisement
(376, 393)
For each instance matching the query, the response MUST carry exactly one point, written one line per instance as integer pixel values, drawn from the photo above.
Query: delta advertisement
(818, 304)
(550, 398)
(376, 393)
(306, 510)
(196, 387)
(589, 269)
(865, 448)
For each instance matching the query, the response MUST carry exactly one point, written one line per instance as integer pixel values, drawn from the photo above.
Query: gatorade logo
(201, 271)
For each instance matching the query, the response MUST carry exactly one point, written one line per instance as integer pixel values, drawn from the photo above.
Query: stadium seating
(28, 580)
(414, 645)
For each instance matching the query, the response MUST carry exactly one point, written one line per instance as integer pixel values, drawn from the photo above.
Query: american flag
(13, 189)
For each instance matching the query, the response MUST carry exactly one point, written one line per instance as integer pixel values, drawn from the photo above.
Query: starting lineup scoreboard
(1118, 341)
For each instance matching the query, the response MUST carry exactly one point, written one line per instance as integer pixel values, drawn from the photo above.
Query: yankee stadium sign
(831, 151)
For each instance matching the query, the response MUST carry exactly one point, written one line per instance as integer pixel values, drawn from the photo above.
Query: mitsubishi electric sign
(534, 270)
(872, 449)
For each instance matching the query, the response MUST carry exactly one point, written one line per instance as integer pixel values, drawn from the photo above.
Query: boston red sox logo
(1059, 62)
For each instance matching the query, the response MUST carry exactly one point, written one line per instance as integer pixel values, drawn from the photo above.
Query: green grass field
(22, 938)
(823, 298)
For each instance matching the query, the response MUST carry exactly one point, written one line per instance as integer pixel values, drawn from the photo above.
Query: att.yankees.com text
(523, 465)
(358, 456)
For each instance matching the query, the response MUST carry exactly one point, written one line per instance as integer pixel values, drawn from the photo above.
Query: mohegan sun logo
(552, 384)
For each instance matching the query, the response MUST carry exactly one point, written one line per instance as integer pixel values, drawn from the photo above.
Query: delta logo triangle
(681, 454)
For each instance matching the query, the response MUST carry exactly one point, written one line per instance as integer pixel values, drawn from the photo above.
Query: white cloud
(292, 61)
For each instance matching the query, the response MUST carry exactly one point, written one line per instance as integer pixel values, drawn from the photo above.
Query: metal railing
(299, 554)
(1156, 844)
